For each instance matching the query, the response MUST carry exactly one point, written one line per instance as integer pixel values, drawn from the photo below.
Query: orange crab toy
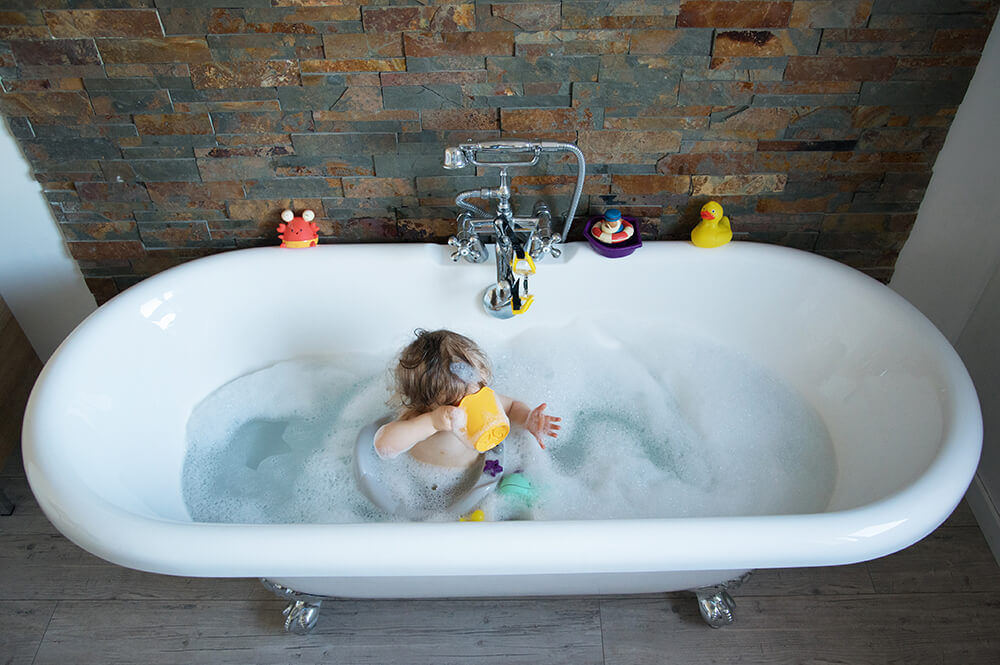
(298, 231)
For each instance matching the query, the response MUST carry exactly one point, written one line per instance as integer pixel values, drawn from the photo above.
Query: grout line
(600, 621)
(871, 580)
(45, 632)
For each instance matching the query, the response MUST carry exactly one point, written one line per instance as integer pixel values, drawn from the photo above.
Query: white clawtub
(104, 433)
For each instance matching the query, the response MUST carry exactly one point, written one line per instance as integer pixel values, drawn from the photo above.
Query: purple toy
(617, 250)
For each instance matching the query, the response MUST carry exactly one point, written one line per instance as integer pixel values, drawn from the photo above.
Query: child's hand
(539, 424)
(445, 418)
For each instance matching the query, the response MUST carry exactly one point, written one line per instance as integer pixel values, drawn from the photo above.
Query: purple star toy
(492, 467)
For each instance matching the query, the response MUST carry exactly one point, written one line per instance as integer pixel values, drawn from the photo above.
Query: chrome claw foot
(302, 611)
(716, 607)
(715, 603)
(301, 616)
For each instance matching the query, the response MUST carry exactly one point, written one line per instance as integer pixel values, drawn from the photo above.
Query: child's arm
(399, 436)
(534, 420)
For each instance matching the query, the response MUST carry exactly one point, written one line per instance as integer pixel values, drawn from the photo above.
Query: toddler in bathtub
(435, 372)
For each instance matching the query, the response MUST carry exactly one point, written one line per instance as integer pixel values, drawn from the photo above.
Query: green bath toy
(517, 486)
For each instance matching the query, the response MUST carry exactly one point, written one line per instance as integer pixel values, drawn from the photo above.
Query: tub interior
(862, 357)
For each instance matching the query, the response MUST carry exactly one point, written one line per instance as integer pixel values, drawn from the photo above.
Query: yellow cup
(486, 423)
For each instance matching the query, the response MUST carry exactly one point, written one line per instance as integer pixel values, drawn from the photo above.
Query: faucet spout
(520, 241)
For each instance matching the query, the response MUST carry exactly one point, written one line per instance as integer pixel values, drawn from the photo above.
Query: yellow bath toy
(713, 230)
(486, 423)
(474, 516)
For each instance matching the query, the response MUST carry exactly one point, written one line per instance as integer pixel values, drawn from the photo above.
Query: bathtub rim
(150, 539)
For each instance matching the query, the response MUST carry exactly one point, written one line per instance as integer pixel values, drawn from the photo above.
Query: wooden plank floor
(19, 366)
(936, 602)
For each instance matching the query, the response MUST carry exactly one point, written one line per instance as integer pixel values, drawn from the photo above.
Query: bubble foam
(685, 429)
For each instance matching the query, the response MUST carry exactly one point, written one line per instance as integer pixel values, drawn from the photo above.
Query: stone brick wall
(163, 130)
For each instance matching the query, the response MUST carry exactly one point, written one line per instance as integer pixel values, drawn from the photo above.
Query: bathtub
(104, 433)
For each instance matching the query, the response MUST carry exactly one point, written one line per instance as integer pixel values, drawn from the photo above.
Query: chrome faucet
(520, 241)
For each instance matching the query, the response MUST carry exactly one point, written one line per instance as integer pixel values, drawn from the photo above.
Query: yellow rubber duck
(713, 230)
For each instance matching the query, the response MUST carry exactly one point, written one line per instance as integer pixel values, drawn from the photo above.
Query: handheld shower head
(454, 158)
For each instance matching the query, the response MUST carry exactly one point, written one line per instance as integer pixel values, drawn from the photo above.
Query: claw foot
(301, 616)
(302, 611)
(716, 607)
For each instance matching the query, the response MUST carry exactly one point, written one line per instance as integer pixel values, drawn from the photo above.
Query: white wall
(39, 281)
(955, 244)
(978, 347)
(949, 266)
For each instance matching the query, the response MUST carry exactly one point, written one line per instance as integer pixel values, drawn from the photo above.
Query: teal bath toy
(517, 486)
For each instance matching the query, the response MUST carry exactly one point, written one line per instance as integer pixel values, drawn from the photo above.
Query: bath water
(686, 429)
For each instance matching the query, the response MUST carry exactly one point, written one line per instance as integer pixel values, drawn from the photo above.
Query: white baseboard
(986, 513)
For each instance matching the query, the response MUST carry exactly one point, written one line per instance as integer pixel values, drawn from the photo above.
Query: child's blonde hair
(433, 370)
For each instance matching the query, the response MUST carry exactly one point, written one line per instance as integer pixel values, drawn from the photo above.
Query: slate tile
(579, 68)
(619, 14)
(571, 43)
(106, 250)
(616, 146)
(689, 41)
(154, 50)
(447, 63)
(51, 106)
(712, 14)
(342, 165)
(173, 123)
(939, 93)
(427, 44)
(99, 231)
(165, 170)
(825, 68)
(765, 43)
(126, 102)
(439, 18)
(70, 149)
(304, 187)
(104, 23)
(308, 98)
(740, 185)
(265, 47)
(185, 194)
(830, 14)
(156, 235)
(377, 122)
(526, 120)
(55, 52)
(262, 74)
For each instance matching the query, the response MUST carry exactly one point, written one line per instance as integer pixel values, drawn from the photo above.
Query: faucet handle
(470, 249)
(547, 245)
(461, 248)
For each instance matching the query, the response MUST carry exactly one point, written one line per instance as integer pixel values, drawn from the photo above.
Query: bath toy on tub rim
(367, 476)
(713, 230)
(298, 232)
(611, 235)
(613, 229)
